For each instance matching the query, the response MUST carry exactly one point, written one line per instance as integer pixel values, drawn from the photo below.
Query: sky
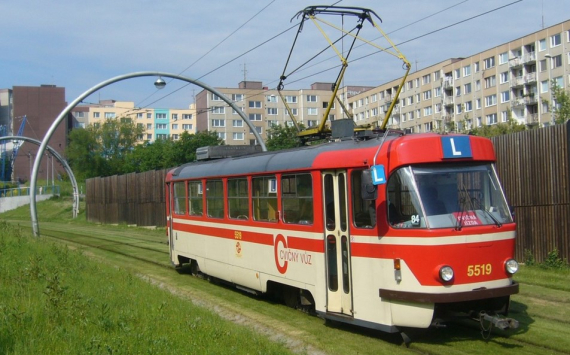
(80, 44)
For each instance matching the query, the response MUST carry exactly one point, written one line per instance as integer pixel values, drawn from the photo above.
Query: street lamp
(549, 87)
(159, 83)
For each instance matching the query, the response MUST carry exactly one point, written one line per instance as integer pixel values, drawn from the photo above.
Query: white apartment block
(264, 108)
(157, 123)
(512, 79)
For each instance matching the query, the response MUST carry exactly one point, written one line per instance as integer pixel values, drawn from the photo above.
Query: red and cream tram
(386, 233)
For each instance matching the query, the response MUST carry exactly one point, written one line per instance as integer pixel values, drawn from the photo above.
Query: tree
(561, 109)
(184, 149)
(282, 137)
(101, 149)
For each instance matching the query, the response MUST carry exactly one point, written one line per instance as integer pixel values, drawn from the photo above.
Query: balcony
(518, 101)
(447, 118)
(532, 119)
(515, 62)
(448, 84)
(517, 81)
(389, 99)
(530, 78)
(447, 101)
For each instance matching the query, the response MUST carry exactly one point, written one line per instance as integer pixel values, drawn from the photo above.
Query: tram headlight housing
(446, 273)
(511, 266)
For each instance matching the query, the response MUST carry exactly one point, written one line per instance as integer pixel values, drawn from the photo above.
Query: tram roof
(282, 160)
(408, 149)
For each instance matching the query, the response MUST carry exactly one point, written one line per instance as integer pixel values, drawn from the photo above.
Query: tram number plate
(479, 270)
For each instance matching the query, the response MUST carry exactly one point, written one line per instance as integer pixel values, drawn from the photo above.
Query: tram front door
(337, 253)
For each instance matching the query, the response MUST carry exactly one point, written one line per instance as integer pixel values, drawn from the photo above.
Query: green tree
(561, 109)
(150, 156)
(184, 149)
(511, 126)
(101, 149)
(282, 137)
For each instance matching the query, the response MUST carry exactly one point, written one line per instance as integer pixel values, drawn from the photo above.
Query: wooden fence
(534, 167)
(136, 198)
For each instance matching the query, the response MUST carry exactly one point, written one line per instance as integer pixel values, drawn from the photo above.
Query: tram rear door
(337, 239)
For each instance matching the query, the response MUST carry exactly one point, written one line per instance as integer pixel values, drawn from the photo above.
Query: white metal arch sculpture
(67, 110)
(63, 163)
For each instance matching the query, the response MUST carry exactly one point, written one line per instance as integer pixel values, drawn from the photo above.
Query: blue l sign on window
(456, 147)
(378, 175)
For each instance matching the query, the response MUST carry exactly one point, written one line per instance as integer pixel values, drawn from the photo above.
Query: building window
(556, 61)
(505, 96)
(467, 88)
(542, 45)
(291, 99)
(218, 109)
(255, 117)
(216, 97)
(489, 63)
(490, 100)
(504, 116)
(149, 126)
(477, 85)
(175, 126)
(222, 135)
(312, 111)
(272, 111)
(162, 136)
(458, 108)
(237, 123)
(476, 67)
(491, 119)
(109, 114)
(490, 81)
(559, 81)
(149, 136)
(503, 58)
(456, 73)
(458, 91)
(477, 103)
(160, 116)
(436, 75)
(437, 91)
(140, 116)
(175, 137)
(468, 106)
(294, 111)
(187, 127)
(467, 70)
(555, 40)
(426, 79)
(161, 126)
(218, 123)
(271, 98)
(544, 86)
(409, 85)
(187, 117)
(427, 95)
(427, 111)
(237, 97)
(504, 78)
(254, 104)
(258, 129)
(96, 114)
(238, 136)
(174, 117)
(437, 108)
(311, 98)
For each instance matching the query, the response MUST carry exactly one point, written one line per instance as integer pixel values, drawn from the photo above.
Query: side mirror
(367, 188)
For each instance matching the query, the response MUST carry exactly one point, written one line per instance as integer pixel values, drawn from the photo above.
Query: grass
(542, 307)
(57, 301)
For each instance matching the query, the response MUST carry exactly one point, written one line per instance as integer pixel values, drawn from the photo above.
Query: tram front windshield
(443, 196)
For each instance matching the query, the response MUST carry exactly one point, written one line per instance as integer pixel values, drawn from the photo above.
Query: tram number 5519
(479, 270)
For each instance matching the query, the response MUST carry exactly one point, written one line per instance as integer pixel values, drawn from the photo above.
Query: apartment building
(157, 123)
(265, 108)
(510, 80)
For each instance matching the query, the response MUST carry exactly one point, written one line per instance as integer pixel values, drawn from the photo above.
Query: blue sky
(78, 44)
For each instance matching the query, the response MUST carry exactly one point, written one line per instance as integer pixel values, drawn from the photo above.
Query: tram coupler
(498, 322)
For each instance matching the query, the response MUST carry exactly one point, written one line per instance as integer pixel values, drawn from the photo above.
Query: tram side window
(180, 198)
(196, 202)
(215, 198)
(363, 211)
(403, 206)
(297, 198)
(238, 198)
(264, 196)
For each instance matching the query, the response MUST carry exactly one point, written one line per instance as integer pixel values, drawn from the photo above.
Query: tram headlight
(446, 273)
(511, 266)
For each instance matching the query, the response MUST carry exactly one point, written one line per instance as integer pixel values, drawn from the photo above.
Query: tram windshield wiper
(464, 200)
(488, 213)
